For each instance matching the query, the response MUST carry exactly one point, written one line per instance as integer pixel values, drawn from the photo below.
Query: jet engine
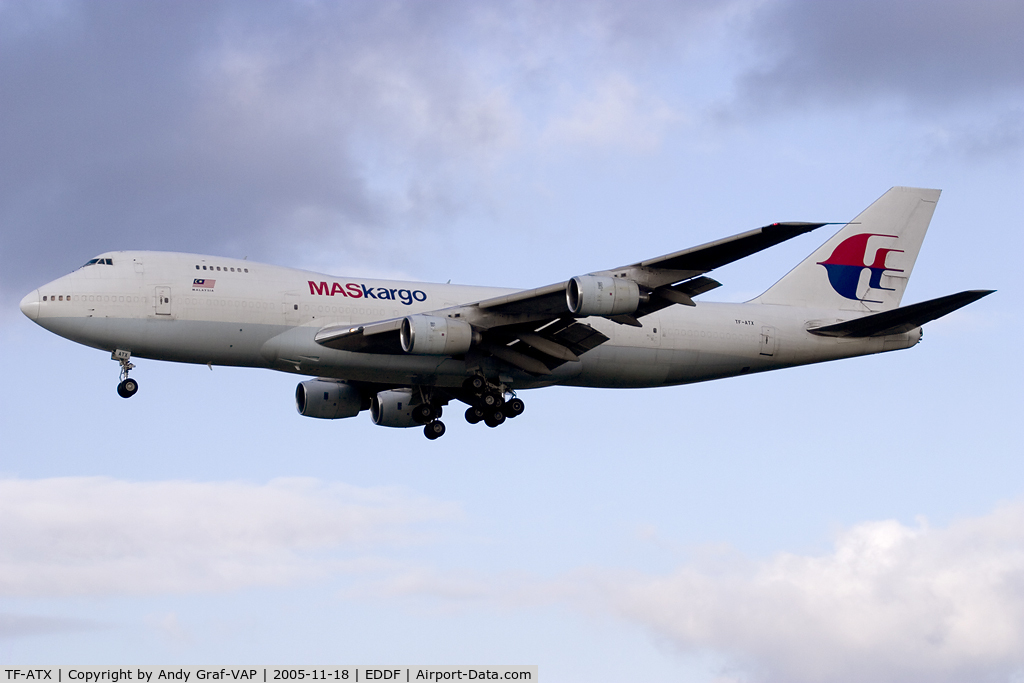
(327, 399)
(599, 295)
(393, 408)
(433, 335)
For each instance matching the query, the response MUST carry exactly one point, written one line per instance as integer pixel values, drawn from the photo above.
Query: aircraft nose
(30, 305)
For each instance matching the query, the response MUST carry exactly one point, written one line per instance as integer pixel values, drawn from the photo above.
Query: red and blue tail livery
(848, 261)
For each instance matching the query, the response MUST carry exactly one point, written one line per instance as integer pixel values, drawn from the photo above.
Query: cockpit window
(99, 262)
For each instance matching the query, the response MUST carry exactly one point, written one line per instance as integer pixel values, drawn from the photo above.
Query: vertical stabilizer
(866, 265)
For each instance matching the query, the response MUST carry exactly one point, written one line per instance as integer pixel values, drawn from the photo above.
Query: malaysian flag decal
(202, 283)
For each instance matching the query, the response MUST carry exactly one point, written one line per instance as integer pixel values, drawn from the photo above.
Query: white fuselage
(257, 315)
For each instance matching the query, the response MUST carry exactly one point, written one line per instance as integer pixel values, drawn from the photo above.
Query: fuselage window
(197, 267)
(232, 270)
(218, 267)
(247, 270)
(204, 267)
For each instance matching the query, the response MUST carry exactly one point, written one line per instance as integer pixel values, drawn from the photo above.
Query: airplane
(405, 350)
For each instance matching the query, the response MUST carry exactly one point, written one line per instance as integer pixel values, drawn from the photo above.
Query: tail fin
(866, 265)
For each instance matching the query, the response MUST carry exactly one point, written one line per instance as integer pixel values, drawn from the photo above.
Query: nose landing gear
(128, 386)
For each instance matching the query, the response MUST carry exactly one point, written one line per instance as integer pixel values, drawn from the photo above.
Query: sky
(856, 520)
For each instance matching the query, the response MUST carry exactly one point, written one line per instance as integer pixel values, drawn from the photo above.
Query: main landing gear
(488, 404)
(128, 386)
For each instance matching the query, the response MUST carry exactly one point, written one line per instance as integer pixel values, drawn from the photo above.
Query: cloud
(889, 603)
(18, 625)
(1001, 137)
(934, 54)
(102, 536)
(229, 127)
(275, 130)
(618, 115)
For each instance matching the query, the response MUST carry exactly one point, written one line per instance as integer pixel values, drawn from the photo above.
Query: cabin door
(768, 341)
(163, 300)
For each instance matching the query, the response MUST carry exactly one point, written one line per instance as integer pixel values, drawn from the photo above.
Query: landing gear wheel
(127, 388)
(474, 415)
(492, 401)
(424, 413)
(494, 418)
(475, 384)
(514, 408)
(434, 430)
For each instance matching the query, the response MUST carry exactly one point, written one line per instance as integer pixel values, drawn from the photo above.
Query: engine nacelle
(599, 295)
(432, 335)
(393, 408)
(327, 399)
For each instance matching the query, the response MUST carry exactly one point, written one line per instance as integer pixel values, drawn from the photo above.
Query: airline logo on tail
(848, 261)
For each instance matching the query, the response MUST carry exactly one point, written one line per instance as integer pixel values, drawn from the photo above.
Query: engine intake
(327, 399)
(600, 295)
(432, 335)
(393, 408)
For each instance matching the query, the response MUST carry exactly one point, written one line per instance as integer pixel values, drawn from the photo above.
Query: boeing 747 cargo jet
(405, 350)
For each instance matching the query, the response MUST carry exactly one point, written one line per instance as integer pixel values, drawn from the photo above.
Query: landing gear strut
(128, 386)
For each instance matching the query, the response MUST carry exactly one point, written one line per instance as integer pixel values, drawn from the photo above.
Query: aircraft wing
(535, 330)
(655, 275)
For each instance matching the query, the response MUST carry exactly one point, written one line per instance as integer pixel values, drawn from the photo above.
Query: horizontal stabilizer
(903, 319)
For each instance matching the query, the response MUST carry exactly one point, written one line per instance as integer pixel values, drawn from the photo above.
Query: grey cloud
(216, 127)
(19, 625)
(1002, 137)
(936, 53)
(274, 129)
(101, 536)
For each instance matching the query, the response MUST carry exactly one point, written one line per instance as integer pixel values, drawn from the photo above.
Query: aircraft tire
(474, 415)
(423, 413)
(475, 384)
(434, 430)
(494, 418)
(514, 408)
(127, 388)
